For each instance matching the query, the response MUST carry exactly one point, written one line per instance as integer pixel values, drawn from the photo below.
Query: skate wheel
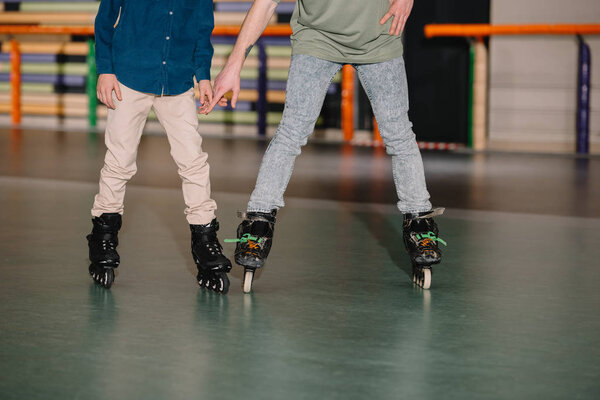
(204, 280)
(422, 277)
(248, 277)
(108, 277)
(426, 282)
(221, 283)
(201, 279)
(102, 276)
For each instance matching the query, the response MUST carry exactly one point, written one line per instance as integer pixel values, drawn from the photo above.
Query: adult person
(327, 35)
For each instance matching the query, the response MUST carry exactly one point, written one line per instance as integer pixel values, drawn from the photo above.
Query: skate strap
(244, 239)
(105, 236)
(434, 213)
(253, 218)
(430, 235)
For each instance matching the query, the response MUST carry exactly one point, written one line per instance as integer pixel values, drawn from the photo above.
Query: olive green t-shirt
(345, 31)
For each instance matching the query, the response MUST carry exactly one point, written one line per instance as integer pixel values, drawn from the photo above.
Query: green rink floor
(512, 312)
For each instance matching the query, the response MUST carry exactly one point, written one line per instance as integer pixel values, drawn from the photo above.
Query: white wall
(533, 79)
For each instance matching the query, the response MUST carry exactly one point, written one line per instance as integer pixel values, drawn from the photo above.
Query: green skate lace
(244, 239)
(432, 236)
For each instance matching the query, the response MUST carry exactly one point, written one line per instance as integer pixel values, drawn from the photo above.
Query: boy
(326, 35)
(147, 53)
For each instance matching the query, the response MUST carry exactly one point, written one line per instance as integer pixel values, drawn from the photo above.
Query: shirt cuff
(104, 69)
(202, 73)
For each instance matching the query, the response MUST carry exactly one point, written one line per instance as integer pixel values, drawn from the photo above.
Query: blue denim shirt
(155, 46)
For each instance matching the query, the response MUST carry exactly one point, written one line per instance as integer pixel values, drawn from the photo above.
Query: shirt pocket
(119, 21)
(118, 27)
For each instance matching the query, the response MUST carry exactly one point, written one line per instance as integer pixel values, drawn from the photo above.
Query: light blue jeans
(387, 89)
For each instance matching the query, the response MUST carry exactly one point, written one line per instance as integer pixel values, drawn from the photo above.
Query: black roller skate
(103, 242)
(254, 239)
(212, 265)
(421, 241)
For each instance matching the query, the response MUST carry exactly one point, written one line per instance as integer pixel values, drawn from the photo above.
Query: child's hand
(106, 84)
(206, 96)
(218, 96)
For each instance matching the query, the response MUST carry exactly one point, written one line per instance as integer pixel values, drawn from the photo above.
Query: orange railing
(15, 82)
(221, 30)
(481, 30)
(35, 29)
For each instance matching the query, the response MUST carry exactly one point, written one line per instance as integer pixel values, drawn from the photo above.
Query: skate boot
(254, 239)
(212, 265)
(103, 242)
(421, 240)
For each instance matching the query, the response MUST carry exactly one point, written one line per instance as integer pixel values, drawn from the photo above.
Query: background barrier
(57, 63)
(262, 87)
(479, 70)
(56, 70)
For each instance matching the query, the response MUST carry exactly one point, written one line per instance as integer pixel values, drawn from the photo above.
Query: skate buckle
(433, 213)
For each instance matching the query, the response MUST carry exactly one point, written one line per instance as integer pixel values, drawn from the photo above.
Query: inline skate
(212, 265)
(254, 239)
(421, 238)
(102, 243)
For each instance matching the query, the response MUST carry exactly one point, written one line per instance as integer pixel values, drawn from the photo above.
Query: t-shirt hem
(148, 88)
(346, 60)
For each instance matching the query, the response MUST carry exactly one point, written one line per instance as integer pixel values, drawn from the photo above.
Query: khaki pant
(178, 115)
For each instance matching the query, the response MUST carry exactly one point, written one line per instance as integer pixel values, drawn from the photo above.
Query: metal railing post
(90, 83)
(15, 82)
(261, 104)
(348, 102)
(583, 97)
(480, 93)
(376, 134)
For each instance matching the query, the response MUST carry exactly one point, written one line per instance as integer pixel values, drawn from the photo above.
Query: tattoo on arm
(248, 50)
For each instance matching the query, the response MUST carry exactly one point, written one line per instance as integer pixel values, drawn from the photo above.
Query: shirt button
(164, 62)
(168, 37)
(170, 12)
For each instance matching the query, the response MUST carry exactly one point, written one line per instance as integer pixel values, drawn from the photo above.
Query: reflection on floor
(512, 312)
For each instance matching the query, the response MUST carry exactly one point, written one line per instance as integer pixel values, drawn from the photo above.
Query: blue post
(261, 104)
(583, 98)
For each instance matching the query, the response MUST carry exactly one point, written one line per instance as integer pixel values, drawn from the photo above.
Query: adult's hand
(227, 81)
(206, 97)
(106, 84)
(399, 10)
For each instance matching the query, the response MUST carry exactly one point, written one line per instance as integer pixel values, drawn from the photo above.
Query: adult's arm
(253, 26)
